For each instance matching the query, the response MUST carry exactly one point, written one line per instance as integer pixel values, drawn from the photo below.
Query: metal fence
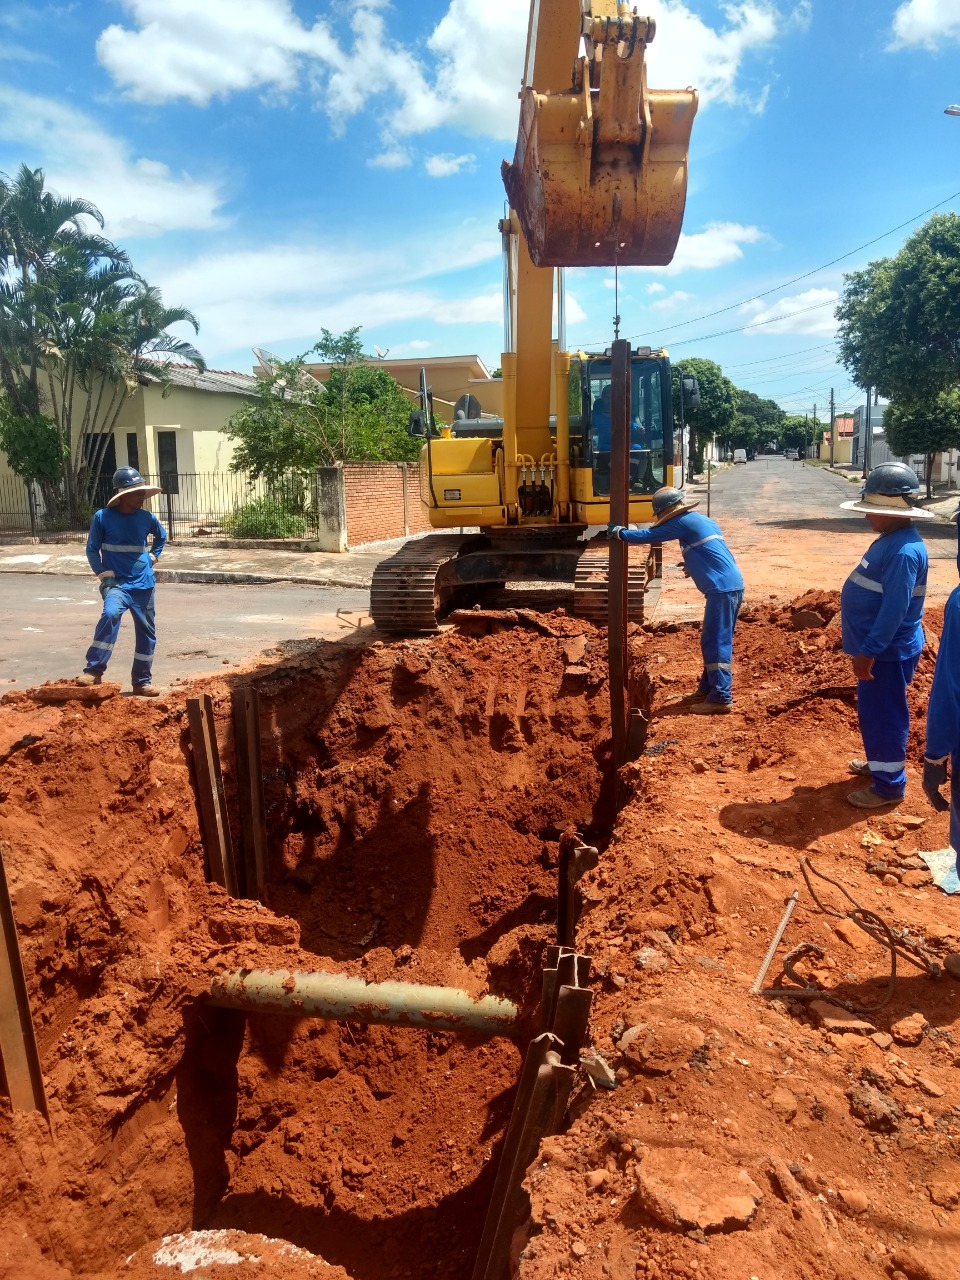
(216, 504)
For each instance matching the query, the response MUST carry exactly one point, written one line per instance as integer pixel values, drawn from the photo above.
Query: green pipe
(339, 997)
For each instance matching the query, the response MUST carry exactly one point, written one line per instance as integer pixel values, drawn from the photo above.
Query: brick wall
(374, 499)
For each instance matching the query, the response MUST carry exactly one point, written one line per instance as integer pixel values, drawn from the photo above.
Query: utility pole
(867, 439)
(833, 429)
(813, 429)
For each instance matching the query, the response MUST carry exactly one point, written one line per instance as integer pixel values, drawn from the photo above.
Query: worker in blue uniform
(943, 722)
(600, 423)
(123, 545)
(881, 612)
(709, 562)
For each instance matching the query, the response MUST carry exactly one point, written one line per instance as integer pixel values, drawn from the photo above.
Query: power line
(806, 274)
(721, 333)
(788, 355)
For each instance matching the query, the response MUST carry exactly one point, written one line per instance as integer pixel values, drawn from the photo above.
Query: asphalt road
(48, 622)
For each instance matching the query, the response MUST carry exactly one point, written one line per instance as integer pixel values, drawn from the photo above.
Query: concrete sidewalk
(183, 562)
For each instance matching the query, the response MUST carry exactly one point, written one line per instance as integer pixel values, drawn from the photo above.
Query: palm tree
(79, 329)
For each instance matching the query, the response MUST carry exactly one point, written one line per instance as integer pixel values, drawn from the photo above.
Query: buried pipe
(339, 997)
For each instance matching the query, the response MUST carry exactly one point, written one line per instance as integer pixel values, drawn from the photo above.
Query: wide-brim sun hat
(885, 504)
(148, 491)
(678, 509)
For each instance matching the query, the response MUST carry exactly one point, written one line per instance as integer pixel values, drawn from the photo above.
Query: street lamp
(952, 110)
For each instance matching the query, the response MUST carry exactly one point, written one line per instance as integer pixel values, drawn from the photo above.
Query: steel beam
(18, 1043)
(618, 651)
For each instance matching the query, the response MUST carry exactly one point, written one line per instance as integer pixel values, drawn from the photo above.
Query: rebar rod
(775, 942)
(339, 997)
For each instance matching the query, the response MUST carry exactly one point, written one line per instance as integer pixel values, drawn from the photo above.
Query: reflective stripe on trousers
(716, 644)
(885, 724)
(139, 600)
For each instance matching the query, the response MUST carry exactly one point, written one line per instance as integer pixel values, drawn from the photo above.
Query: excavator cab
(649, 446)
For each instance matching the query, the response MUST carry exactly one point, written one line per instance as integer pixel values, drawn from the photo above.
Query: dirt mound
(416, 792)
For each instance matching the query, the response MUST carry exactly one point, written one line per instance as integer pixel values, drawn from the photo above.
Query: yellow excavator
(599, 178)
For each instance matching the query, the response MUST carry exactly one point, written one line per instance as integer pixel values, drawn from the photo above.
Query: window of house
(133, 451)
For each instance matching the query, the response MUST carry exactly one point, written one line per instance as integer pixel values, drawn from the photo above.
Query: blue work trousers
(716, 644)
(955, 809)
(116, 601)
(885, 724)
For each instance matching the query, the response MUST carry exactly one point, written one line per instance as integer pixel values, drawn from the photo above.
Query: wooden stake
(210, 798)
(18, 1042)
(253, 820)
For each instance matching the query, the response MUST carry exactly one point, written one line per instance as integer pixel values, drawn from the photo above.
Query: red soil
(416, 792)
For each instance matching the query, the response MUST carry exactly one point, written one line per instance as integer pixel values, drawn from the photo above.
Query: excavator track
(591, 585)
(408, 591)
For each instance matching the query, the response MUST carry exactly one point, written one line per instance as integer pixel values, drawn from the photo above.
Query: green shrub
(265, 518)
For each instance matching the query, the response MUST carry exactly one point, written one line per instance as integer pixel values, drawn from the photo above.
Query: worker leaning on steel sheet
(943, 719)
(709, 562)
(123, 545)
(881, 611)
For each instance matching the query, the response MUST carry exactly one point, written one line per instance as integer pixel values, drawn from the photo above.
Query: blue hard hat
(129, 480)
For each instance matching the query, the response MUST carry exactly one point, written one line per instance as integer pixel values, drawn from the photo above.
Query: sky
(280, 167)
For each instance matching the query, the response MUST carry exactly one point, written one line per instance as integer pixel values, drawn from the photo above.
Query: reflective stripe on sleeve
(920, 589)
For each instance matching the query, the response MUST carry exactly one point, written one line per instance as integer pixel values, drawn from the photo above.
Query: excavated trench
(415, 795)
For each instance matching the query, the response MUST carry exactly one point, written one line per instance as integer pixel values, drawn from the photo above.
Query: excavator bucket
(600, 171)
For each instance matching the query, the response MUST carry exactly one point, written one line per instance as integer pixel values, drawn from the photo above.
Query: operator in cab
(600, 421)
(709, 562)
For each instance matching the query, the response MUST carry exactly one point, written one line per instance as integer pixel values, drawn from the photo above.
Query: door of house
(167, 461)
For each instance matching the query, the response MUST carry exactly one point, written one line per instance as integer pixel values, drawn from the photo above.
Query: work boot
(868, 799)
(706, 708)
(145, 691)
(861, 767)
(90, 677)
(698, 695)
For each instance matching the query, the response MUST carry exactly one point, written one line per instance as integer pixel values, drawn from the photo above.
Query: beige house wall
(449, 377)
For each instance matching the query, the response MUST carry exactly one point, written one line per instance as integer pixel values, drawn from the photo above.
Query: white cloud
(138, 196)
(809, 313)
(268, 294)
(465, 77)
(716, 246)
(927, 24)
(410, 348)
(394, 158)
(656, 287)
(198, 52)
(443, 166)
(674, 299)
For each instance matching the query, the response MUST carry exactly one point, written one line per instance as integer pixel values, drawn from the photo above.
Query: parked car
(739, 455)
(791, 455)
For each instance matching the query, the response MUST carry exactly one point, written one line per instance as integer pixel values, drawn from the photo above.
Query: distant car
(751, 455)
(739, 455)
(791, 455)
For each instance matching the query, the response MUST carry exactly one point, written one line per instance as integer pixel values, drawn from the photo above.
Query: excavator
(598, 178)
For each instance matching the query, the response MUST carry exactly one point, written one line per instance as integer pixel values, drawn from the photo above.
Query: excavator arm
(599, 175)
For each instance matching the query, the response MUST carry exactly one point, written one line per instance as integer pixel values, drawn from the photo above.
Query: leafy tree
(718, 405)
(925, 427)
(757, 421)
(900, 317)
(298, 423)
(797, 432)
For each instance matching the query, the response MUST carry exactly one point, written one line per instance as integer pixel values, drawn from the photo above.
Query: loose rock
(684, 1187)
(662, 1048)
(877, 1110)
(909, 1030)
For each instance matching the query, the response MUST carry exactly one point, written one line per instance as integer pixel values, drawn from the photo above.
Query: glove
(107, 581)
(934, 776)
(614, 530)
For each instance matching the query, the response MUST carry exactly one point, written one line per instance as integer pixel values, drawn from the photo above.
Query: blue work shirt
(117, 544)
(943, 710)
(881, 604)
(600, 423)
(706, 557)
